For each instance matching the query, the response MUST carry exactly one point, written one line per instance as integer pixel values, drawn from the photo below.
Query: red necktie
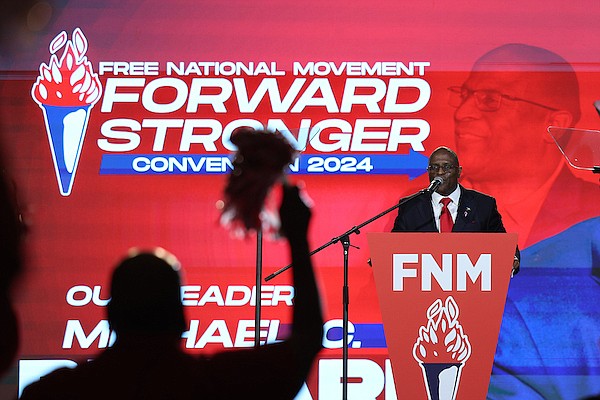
(446, 222)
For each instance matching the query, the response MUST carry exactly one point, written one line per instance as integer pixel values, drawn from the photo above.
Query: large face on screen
(493, 131)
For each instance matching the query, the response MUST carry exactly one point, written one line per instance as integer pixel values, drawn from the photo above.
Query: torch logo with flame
(66, 90)
(442, 350)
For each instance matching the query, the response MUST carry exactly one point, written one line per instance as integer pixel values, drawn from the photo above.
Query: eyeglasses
(485, 100)
(444, 167)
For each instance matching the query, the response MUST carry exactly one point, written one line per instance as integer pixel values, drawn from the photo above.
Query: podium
(442, 297)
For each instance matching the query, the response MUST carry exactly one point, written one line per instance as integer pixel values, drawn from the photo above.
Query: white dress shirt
(452, 206)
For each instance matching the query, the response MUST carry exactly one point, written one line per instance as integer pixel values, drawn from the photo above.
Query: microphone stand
(257, 310)
(344, 239)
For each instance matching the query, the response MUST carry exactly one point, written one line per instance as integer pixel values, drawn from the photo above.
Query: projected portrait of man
(548, 345)
(502, 114)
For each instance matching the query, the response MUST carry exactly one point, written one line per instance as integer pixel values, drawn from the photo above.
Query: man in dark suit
(469, 210)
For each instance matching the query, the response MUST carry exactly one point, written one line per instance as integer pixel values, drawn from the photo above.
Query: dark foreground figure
(146, 361)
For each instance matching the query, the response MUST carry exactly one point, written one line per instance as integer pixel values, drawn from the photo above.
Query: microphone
(435, 183)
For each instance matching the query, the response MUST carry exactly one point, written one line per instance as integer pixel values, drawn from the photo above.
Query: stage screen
(116, 120)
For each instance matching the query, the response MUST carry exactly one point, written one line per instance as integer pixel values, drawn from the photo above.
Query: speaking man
(451, 207)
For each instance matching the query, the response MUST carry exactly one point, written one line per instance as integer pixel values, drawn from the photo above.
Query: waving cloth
(259, 162)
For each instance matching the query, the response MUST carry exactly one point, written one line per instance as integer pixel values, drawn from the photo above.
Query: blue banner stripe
(365, 336)
(516, 371)
(412, 164)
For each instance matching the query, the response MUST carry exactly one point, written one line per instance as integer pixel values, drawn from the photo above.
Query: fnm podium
(442, 297)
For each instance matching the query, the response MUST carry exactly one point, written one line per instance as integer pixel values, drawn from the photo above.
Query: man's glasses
(444, 167)
(485, 100)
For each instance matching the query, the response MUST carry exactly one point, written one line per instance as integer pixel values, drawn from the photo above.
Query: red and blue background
(75, 240)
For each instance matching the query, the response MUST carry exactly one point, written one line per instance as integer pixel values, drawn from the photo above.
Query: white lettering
(128, 68)
(232, 293)
(482, 268)
(308, 98)
(350, 97)
(190, 294)
(161, 126)
(149, 94)
(399, 272)
(335, 327)
(101, 332)
(443, 275)
(188, 137)
(415, 141)
(125, 140)
(216, 333)
(361, 134)
(111, 96)
(87, 295)
(246, 332)
(367, 376)
(217, 101)
(396, 84)
(212, 295)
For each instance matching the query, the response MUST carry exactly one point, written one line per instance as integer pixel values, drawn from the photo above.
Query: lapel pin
(467, 211)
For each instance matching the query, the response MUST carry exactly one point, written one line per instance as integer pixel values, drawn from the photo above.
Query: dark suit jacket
(477, 212)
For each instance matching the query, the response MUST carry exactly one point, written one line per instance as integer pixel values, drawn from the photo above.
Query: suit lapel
(466, 208)
(426, 214)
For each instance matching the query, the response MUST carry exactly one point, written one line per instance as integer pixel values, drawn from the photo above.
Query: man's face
(490, 142)
(443, 164)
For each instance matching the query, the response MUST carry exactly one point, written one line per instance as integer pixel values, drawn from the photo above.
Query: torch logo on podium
(66, 90)
(442, 350)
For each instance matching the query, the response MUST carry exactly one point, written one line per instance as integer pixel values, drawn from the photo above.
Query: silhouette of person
(146, 361)
(11, 232)
(548, 343)
(13, 14)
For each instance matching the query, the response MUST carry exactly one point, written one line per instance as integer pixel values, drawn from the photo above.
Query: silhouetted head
(145, 294)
